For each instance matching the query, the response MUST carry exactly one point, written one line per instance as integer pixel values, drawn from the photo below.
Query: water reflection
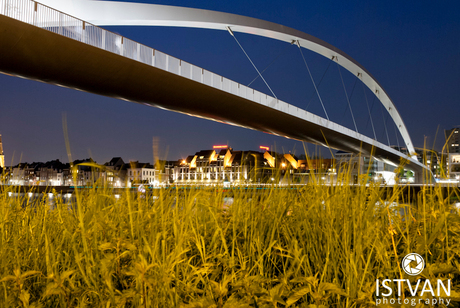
(49, 199)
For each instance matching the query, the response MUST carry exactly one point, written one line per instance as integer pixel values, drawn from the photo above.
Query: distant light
(183, 161)
(220, 146)
(264, 148)
(283, 165)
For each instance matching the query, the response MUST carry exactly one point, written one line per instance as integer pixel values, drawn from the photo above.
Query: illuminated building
(453, 152)
(140, 173)
(45, 174)
(224, 165)
(2, 157)
(115, 172)
(220, 165)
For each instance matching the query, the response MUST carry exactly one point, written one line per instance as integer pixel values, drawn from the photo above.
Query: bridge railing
(42, 16)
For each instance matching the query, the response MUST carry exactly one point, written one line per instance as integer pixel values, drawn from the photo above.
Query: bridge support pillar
(424, 177)
(418, 178)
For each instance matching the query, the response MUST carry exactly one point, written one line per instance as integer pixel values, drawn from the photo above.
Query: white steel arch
(110, 13)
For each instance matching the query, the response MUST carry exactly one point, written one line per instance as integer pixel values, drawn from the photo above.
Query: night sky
(411, 47)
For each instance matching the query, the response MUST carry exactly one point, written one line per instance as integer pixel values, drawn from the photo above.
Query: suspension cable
(385, 125)
(231, 33)
(344, 89)
(312, 80)
(351, 95)
(372, 108)
(367, 104)
(319, 83)
(279, 55)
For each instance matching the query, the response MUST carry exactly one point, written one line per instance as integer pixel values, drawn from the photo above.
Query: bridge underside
(34, 53)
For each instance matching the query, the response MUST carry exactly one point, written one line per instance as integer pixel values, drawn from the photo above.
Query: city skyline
(101, 127)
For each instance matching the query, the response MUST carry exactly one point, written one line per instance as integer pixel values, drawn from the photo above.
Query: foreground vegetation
(315, 246)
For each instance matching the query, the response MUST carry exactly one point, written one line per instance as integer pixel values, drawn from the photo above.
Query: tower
(2, 157)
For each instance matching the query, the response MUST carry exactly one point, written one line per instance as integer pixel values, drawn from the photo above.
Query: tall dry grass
(314, 246)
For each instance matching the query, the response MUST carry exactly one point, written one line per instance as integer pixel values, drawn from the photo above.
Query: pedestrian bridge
(64, 48)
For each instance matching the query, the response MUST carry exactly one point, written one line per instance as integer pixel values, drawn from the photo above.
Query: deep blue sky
(411, 47)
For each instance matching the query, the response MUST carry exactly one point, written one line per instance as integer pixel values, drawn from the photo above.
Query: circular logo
(413, 264)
